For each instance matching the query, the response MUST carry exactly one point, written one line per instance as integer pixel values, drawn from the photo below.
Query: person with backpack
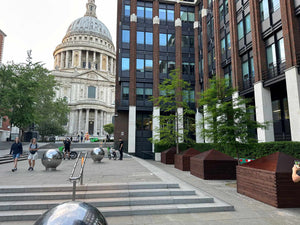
(33, 155)
(16, 151)
(67, 145)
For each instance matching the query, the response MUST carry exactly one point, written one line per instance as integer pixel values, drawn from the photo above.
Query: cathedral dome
(89, 25)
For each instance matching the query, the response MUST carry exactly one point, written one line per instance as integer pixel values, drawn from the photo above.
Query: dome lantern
(91, 9)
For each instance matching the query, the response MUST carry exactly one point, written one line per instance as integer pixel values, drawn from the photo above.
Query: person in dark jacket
(16, 150)
(121, 146)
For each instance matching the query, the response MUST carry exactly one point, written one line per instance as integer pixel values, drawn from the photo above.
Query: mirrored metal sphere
(72, 213)
(97, 154)
(51, 159)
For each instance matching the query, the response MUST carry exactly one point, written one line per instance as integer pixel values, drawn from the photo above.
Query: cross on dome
(91, 9)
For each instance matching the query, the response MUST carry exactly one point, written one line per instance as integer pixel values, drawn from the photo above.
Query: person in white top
(33, 155)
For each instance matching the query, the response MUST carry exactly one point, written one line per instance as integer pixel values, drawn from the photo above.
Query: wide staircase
(9, 159)
(28, 203)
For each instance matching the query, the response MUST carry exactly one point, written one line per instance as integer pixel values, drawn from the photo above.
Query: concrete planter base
(157, 156)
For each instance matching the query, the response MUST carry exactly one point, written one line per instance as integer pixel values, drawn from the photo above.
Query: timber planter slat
(213, 165)
(182, 160)
(269, 180)
(167, 156)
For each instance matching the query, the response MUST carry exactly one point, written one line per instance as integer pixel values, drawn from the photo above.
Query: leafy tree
(25, 89)
(109, 128)
(173, 94)
(53, 114)
(228, 120)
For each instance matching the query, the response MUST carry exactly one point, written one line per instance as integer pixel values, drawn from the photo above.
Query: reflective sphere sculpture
(97, 154)
(72, 213)
(52, 159)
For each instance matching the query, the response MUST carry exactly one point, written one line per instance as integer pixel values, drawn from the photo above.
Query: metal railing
(73, 178)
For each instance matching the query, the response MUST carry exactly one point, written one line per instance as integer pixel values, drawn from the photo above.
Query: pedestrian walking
(16, 150)
(121, 146)
(33, 155)
(67, 145)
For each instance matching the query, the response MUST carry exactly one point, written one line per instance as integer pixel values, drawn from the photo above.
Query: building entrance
(91, 127)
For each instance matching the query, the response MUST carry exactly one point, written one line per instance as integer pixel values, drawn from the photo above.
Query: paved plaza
(132, 170)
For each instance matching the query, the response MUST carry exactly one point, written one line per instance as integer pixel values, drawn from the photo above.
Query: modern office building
(85, 68)
(253, 43)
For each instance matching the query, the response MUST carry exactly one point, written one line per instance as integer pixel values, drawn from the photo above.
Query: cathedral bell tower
(91, 9)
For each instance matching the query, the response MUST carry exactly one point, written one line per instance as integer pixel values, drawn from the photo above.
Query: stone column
(62, 60)
(87, 116)
(207, 116)
(263, 105)
(292, 79)
(180, 124)
(79, 59)
(67, 59)
(79, 120)
(73, 59)
(199, 127)
(101, 122)
(96, 122)
(71, 122)
(132, 79)
(94, 61)
(100, 61)
(75, 127)
(87, 59)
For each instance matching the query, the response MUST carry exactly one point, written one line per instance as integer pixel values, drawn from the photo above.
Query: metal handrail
(74, 179)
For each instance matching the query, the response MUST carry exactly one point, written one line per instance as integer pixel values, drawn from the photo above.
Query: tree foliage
(109, 128)
(26, 92)
(173, 95)
(227, 119)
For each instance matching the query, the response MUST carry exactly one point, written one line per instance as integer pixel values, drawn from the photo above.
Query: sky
(40, 25)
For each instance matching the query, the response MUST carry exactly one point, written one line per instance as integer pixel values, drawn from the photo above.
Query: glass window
(191, 16)
(227, 81)
(139, 65)
(125, 93)
(275, 4)
(209, 58)
(276, 110)
(240, 30)
(271, 56)
(162, 14)
(149, 38)
(228, 41)
(163, 39)
(170, 14)
(247, 24)
(281, 50)
(171, 40)
(185, 41)
(185, 68)
(184, 16)
(191, 41)
(127, 10)
(192, 68)
(252, 67)
(171, 66)
(221, 12)
(140, 12)
(223, 46)
(148, 93)
(163, 66)
(125, 36)
(226, 7)
(192, 96)
(148, 13)
(125, 64)
(245, 69)
(140, 37)
(148, 65)
(264, 9)
(140, 94)
(91, 92)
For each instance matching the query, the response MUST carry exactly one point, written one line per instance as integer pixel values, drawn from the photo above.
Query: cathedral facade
(85, 68)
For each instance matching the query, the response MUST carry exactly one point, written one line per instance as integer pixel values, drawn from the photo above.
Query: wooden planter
(213, 165)
(269, 180)
(182, 160)
(167, 156)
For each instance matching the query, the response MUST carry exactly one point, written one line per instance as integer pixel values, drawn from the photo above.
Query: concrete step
(90, 187)
(26, 215)
(94, 194)
(107, 202)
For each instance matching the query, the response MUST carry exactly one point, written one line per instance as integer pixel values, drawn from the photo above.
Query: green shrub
(253, 150)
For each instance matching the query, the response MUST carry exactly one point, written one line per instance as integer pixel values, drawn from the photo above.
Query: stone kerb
(213, 165)
(167, 156)
(182, 160)
(268, 179)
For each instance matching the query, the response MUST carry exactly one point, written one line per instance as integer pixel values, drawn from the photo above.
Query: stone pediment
(92, 75)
